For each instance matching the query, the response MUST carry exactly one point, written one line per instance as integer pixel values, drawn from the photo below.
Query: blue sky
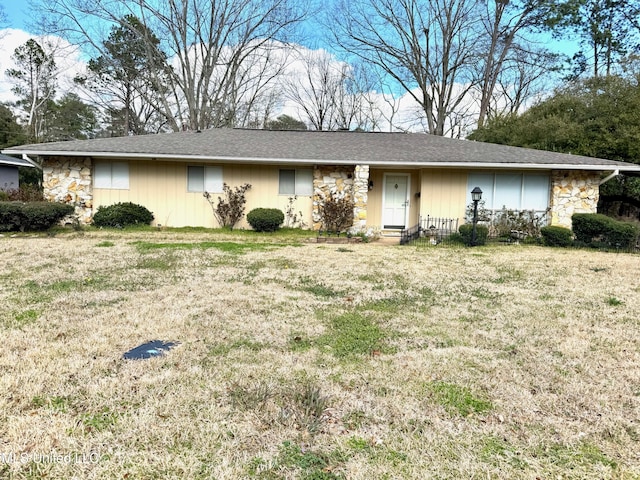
(17, 13)
(18, 17)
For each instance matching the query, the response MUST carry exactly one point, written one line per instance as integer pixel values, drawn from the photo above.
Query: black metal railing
(429, 230)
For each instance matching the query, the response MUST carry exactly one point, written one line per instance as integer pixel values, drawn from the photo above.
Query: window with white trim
(297, 181)
(513, 190)
(113, 175)
(204, 179)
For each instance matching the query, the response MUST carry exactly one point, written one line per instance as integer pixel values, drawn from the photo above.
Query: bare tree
(381, 103)
(502, 44)
(208, 45)
(522, 79)
(314, 81)
(354, 99)
(426, 46)
(254, 92)
(328, 93)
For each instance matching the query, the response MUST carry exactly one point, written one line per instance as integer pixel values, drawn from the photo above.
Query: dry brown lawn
(316, 361)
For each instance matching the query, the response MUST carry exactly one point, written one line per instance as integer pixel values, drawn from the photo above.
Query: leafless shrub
(230, 209)
(337, 214)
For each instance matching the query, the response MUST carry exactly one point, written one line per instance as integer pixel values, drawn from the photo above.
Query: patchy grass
(457, 399)
(315, 362)
(614, 302)
(352, 334)
(293, 461)
(318, 288)
(105, 243)
(229, 247)
(20, 318)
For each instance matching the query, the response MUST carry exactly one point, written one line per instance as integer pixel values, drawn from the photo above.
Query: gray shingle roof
(313, 147)
(17, 162)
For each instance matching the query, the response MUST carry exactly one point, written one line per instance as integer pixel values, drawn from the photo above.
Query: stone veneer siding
(573, 192)
(68, 180)
(341, 182)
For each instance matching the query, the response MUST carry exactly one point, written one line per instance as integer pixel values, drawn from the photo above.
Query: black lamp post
(476, 196)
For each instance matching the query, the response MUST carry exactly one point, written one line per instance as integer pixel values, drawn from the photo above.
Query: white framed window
(204, 179)
(113, 175)
(513, 190)
(298, 181)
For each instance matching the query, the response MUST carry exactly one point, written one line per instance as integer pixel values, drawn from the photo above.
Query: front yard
(316, 361)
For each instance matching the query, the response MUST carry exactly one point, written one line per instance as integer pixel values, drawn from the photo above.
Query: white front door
(395, 202)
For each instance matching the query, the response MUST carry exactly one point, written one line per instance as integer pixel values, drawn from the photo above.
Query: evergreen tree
(125, 78)
(71, 119)
(11, 133)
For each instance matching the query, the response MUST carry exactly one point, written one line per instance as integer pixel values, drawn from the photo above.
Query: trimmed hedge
(265, 219)
(33, 216)
(466, 231)
(555, 236)
(122, 214)
(597, 230)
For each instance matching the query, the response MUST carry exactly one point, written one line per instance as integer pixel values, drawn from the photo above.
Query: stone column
(331, 181)
(573, 192)
(68, 180)
(360, 195)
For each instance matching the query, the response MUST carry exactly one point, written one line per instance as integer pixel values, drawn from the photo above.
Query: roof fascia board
(281, 161)
(14, 164)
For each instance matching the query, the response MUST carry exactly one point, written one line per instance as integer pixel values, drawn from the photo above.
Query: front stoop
(388, 240)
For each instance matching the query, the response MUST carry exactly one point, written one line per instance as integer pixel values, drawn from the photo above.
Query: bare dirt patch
(315, 361)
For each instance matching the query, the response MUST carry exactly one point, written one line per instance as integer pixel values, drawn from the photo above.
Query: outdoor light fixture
(476, 196)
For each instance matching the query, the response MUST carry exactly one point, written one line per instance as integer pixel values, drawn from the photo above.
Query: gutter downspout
(609, 177)
(32, 162)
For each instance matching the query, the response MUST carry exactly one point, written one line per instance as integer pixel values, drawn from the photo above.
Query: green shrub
(20, 216)
(555, 236)
(598, 230)
(466, 231)
(454, 239)
(265, 219)
(622, 234)
(588, 226)
(122, 214)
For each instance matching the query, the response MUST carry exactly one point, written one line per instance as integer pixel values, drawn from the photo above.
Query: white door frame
(408, 195)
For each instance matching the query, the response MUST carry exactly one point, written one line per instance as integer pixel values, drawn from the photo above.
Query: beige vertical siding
(443, 193)
(162, 188)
